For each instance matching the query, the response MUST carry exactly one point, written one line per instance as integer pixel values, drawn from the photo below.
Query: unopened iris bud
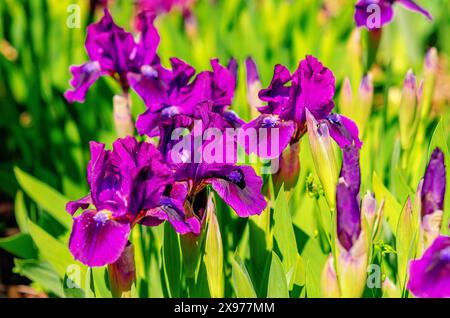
(369, 209)
(408, 113)
(122, 273)
(365, 101)
(323, 157)
(352, 244)
(432, 197)
(352, 241)
(430, 72)
(253, 84)
(328, 280)
(123, 120)
(289, 168)
(346, 98)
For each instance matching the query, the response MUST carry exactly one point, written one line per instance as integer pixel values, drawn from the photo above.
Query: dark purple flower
(347, 199)
(126, 183)
(179, 96)
(113, 51)
(429, 276)
(238, 186)
(312, 87)
(373, 14)
(433, 190)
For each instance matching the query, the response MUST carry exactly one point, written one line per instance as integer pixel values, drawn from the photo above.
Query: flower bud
(432, 197)
(123, 120)
(289, 169)
(430, 72)
(408, 112)
(369, 209)
(328, 280)
(346, 98)
(352, 267)
(352, 239)
(323, 157)
(253, 84)
(365, 101)
(122, 273)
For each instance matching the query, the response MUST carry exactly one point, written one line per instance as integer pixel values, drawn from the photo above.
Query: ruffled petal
(96, 239)
(240, 187)
(267, 136)
(429, 276)
(343, 130)
(83, 203)
(83, 76)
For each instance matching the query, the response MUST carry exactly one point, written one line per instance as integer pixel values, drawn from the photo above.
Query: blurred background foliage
(45, 137)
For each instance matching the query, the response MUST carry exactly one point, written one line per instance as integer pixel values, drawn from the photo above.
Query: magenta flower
(180, 97)
(113, 51)
(127, 187)
(373, 14)
(312, 87)
(429, 276)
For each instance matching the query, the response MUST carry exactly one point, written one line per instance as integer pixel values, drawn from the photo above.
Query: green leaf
(242, 283)
(277, 286)
(392, 208)
(46, 197)
(172, 260)
(57, 254)
(21, 212)
(439, 141)
(42, 273)
(100, 279)
(284, 235)
(20, 245)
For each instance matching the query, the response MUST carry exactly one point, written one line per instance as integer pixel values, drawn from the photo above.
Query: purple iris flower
(180, 96)
(373, 14)
(239, 186)
(429, 276)
(128, 186)
(433, 189)
(348, 200)
(311, 87)
(113, 51)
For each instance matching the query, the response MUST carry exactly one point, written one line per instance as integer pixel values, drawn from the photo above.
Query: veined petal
(240, 187)
(429, 277)
(343, 130)
(83, 76)
(96, 239)
(267, 136)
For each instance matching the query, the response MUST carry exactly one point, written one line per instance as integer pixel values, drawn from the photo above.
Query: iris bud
(346, 98)
(122, 273)
(323, 157)
(409, 113)
(430, 72)
(329, 282)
